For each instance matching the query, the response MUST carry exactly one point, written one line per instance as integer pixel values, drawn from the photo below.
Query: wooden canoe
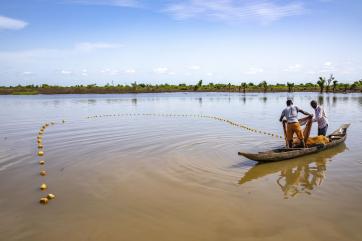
(280, 154)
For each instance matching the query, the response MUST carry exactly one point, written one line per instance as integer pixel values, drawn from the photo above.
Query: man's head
(289, 102)
(314, 104)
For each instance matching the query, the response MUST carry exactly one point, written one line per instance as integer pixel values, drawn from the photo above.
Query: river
(174, 177)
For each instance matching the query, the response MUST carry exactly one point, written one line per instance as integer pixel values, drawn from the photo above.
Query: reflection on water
(298, 176)
(321, 99)
(264, 99)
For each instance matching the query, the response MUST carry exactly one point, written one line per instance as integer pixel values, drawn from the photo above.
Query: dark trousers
(322, 131)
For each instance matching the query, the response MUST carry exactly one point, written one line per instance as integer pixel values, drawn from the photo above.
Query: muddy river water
(174, 178)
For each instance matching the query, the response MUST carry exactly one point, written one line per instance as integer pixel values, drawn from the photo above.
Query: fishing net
(310, 141)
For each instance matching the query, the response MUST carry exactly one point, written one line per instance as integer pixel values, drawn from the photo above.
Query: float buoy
(40, 146)
(41, 162)
(43, 173)
(50, 196)
(43, 186)
(40, 153)
(43, 200)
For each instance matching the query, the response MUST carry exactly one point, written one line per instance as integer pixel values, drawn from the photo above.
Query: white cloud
(27, 73)
(254, 70)
(11, 23)
(130, 71)
(161, 70)
(194, 67)
(171, 73)
(117, 3)
(209, 74)
(293, 68)
(328, 67)
(311, 72)
(105, 70)
(110, 71)
(75, 51)
(89, 46)
(233, 10)
(84, 72)
(66, 72)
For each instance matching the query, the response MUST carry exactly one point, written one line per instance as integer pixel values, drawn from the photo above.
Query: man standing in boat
(293, 126)
(320, 117)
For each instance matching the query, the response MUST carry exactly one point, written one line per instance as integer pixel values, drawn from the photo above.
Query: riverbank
(165, 88)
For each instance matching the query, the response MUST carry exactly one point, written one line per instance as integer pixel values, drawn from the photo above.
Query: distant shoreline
(159, 92)
(134, 88)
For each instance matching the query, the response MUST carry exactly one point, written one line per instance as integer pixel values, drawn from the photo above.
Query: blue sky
(68, 42)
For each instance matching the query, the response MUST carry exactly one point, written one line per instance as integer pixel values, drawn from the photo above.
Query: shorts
(294, 128)
(322, 131)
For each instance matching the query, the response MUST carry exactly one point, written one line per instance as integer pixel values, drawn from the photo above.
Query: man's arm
(304, 112)
(281, 116)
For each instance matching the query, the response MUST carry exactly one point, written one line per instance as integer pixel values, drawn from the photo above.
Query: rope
(233, 123)
(41, 153)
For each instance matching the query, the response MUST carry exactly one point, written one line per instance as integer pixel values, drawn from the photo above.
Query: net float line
(42, 131)
(233, 123)
(41, 153)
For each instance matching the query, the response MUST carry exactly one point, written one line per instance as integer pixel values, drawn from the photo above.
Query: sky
(73, 42)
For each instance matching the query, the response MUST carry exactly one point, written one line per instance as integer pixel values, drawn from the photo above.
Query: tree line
(321, 85)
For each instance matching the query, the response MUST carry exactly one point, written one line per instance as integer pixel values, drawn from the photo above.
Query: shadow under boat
(300, 175)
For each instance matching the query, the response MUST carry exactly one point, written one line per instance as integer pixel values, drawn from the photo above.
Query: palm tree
(244, 86)
(290, 86)
(264, 85)
(329, 81)
(334, 85)
(199, 84)
(321, 83)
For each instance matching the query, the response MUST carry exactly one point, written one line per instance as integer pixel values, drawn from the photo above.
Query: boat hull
(337, 137)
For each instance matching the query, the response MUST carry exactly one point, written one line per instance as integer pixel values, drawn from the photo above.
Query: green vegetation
(263, 86)
(25, 92)
(321, 83)
(290, 86)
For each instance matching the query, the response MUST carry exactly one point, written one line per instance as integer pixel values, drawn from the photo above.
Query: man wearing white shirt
(320, 117)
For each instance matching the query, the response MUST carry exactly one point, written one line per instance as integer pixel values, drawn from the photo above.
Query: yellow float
(50, 196)
(40, 146)
(43, 186)
(43, 200)
(41, 162)
(43, 173)
(40, 153)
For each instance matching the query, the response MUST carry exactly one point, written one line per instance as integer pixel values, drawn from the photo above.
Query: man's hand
(304, 112)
